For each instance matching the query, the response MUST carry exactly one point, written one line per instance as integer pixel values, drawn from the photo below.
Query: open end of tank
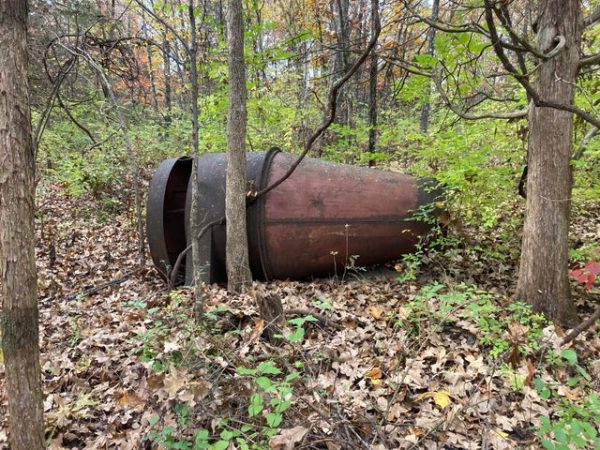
(174, 210)
(166, 212)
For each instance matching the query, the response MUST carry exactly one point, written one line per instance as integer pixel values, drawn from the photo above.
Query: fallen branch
(590, 321)
(96, 289)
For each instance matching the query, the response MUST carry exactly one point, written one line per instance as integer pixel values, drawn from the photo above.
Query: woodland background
(431, 352)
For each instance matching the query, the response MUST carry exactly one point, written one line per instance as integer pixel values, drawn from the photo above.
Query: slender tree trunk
(151, 70)
(195, 220)
(18, 283)
(373, 86)
(342, 58)
(543, 273)
(261, 77)
(424, 122)
(238, 267)
(166, 50)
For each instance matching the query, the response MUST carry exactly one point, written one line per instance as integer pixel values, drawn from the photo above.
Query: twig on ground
(102, 286)
(582, 327)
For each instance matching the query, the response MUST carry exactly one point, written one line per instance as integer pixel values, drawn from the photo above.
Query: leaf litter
(124, 360)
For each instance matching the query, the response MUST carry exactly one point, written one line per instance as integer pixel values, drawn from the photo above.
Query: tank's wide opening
(174, 209)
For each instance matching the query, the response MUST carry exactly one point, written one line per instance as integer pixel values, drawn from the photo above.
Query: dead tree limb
(332, 107)
(582, 327)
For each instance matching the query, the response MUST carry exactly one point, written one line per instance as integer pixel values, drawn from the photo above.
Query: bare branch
(559, 46)
(585, 141)
(409, 67)
(517, 114)
(523, 46)
(522, 78)
(589, 60)
(592, 18)
(130, 150)
(333, 94)
(504, 17)
(41, 126)
(66, 109)
(590, 321)
(164, 23)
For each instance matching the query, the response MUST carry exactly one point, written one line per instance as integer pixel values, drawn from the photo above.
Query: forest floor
(442, 361)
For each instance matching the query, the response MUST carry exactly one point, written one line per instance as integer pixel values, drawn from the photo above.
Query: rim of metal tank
(260, 262)
(156, 207)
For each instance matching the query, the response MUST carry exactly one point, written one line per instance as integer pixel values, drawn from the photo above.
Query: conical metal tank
(322, 218)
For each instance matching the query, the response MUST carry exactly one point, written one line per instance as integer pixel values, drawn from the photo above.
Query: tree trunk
(342, 59)
(166, 50)
(271, 311)
(543, 273)
(424, 122)
(18, 284)
(195, 221)
(151, 70)
(238, 267)
(373, 86)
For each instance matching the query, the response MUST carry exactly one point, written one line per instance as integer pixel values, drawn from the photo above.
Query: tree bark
(271, 311)
(373, 86)
(150, 69)
(195, 221)
(166, 50)
(543, 273)
(425, 108)
(238, 267)
(18, 279)
(342, 59)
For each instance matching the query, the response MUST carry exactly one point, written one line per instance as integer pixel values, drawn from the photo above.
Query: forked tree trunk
(543, 273)
(18, 285)
(238, 267)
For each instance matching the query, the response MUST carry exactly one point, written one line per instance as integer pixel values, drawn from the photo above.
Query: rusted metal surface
(326, 213)
(165, 224)
(323, 215)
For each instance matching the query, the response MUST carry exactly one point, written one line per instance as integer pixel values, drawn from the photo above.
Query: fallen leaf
(440, 398)
(374, 373)
(174, 381)
(530, 372)
(259, 326)
(375, 312)
(172, 346)
(128, 399)
(288, 438)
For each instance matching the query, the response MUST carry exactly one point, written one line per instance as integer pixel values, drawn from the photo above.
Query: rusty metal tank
(313, 224)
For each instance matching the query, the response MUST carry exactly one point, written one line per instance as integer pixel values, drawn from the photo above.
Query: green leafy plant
(277, 391)
(574, 422)
(299, 332)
